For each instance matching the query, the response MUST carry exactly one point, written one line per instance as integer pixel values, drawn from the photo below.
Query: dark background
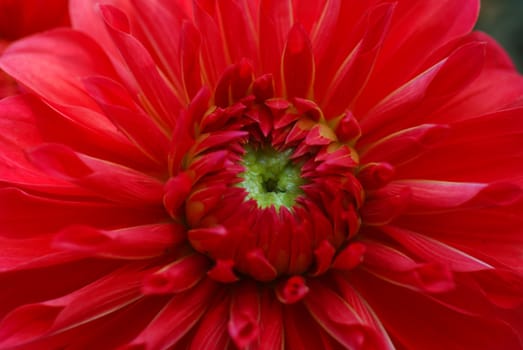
(503, 19)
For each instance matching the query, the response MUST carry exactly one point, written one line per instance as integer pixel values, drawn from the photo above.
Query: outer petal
(177, 318)
(471, 231)
(275, 20)
(424, 92)
(140, 242)
(156, 95)
(404, 314)
(79, 56)
(29, 322)
(50, 215)
(432, 250)
(32, 253)
(338, 318)
(61, 86)
(22, 18)
(156, 18)
(107, 180)
(417, 30)
(297, 64)
(485, 148)
(19, 125)
(212, 330)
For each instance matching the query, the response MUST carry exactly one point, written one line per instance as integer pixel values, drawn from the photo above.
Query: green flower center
(270, 177)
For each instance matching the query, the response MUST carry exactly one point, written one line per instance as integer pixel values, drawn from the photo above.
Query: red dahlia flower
(262, 175)
(19, 18)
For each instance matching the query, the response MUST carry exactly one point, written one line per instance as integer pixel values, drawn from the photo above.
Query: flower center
(270, 177)
(265, 186)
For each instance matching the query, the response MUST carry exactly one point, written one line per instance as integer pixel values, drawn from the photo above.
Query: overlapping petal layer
(126, 222)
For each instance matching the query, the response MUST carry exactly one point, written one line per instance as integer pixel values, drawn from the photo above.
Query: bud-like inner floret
(270, 177)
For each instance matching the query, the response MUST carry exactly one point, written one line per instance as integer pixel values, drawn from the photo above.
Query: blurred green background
(503, 19)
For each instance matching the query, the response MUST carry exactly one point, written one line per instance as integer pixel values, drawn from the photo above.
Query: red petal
(350, 77)
(155, 91)
(79, 56)
(244, 327)
(190, 47)
(384, 206)
(237, 27)
(323, 255)
(432, 250)
(213, 49)
(122, 110)
(106, 295)
(271, 323)
(19, 122)
(156, 19)
(208, 239)
(405, 145)
(350, 257)
(259, 266)
(424, 92)
(428, 195)
(50, 215)
(298, 64)
(31, 253)
(177, 277)
(364, 311)
(98, 176)
(292, 290)
(418, 29)
(212, 331)
(140, 242)
(376, 175)
(275, 21)
(474, 150)
(471, 231)
(396, 267)
(177, 318)
(223, 271)
(338, 318)
(444, 329)
(177, 189)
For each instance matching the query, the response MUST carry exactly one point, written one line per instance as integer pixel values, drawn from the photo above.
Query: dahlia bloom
(262, 175)
(19, 18)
